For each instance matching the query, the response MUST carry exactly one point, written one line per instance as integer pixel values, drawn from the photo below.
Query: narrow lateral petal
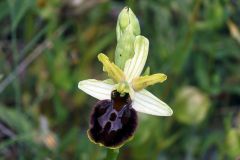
(113, 70)
(146, 102)
(134, 66)
(142, 82)
(96, 89)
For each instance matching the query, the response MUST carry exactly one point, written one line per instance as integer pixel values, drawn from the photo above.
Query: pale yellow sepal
(146, 102)
(134, 66)
(145, 81)
(113, 70)
(98, 89)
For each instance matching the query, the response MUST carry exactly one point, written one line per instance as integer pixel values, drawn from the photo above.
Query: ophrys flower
(114, 118)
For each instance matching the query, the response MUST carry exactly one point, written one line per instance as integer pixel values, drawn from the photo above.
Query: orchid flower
(114, 118)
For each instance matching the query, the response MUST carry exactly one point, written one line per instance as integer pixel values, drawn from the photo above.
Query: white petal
(146, 102)
(98, 89)
(133, 67)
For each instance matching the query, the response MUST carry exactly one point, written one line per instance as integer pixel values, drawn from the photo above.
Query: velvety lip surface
(113, 121)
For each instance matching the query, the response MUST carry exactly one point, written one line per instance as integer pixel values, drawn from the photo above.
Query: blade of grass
(31, 44)
(4, 10)
(31, 57)
(15, 52)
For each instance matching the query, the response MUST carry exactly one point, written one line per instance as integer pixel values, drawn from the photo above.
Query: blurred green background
(48, 46)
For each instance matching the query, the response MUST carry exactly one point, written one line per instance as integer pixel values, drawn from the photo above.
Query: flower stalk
(112, 154)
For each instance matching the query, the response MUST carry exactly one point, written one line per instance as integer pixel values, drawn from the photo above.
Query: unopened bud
(233, 143)
(127, 21)
(127, 29)
(191, 105)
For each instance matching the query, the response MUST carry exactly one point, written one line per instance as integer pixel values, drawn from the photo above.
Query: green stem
(16, 85)
(112, 154)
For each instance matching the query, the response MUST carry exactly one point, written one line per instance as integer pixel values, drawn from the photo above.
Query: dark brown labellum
(113, 122)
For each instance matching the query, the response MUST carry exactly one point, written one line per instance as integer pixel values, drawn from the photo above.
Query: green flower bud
(124, 19)
(233, 142)
(191, 106)
(127, 29)
(127, 22)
